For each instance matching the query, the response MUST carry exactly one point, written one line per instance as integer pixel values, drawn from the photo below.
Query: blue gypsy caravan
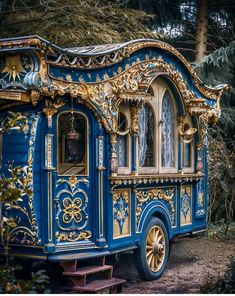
(114, 145)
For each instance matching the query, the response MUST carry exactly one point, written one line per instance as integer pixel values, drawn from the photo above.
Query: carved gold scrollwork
(71, 216)
(185, 135)
(121, 212)
(26, 235)
(154, 194)
(73, 236)
(146, 196)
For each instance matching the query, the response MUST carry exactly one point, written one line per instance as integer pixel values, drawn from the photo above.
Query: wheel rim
(155, 248)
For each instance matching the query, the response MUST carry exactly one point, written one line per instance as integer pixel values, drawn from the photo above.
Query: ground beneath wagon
(191, 259)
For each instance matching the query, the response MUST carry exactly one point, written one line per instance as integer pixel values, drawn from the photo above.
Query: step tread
(99, 285)
(82, 271)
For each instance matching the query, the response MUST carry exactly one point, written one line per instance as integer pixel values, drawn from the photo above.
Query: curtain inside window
(146, 137)
(168, 118)
(187, 155)
(122, 151)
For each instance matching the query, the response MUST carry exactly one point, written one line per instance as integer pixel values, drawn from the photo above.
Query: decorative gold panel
(121, 213)
(185, 205)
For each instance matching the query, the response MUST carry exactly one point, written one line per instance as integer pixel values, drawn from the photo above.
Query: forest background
(202, 30)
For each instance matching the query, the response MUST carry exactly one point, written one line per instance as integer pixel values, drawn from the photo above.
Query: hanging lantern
(72, 134)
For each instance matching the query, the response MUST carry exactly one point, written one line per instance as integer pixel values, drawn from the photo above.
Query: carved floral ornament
(102, 96)
(134, 82)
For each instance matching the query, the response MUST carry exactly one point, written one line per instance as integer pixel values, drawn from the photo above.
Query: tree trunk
(201, 30)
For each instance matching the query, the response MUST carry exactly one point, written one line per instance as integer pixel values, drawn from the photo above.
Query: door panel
(75, 193)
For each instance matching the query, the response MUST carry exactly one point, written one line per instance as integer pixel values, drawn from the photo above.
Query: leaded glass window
(146, 137)
(167, 132)
(72, 144)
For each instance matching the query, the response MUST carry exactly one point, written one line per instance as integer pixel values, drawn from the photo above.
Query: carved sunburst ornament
(13, 67)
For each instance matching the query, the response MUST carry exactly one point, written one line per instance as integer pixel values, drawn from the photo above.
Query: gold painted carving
(186, 205)
(135, 108)
(186, 136)
(13, 67)
(72, 210)
(154, 194)
(29, 233)
(121, 213)
(73, 236)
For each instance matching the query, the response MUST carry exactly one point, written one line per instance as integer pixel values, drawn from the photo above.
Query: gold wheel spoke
(159, 238)
(156, 262)
(153, 262)
(149, 241)
(156, 234)
(149, 253)
(155, 248)
(150, 260)
(148, 247)
(152, 235)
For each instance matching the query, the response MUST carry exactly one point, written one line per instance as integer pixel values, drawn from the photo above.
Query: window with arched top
(167, 132)
(72, 141)
(146, 137)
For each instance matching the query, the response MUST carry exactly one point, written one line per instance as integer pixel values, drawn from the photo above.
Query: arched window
(72, 144)
(146, 137)
(167, 132)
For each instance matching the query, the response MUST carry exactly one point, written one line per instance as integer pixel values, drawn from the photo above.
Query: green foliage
(222, 284)
(220, 230)
(10, 284)
(16, 186)
(74, 22)
(219, 56)
(215, 69)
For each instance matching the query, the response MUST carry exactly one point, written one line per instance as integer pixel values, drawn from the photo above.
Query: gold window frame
(86, 145)
(189, 169)
(127, 169)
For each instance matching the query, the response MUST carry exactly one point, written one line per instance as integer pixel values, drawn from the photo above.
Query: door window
(72, 144)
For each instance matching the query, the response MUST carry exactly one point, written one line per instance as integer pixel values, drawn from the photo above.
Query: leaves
(75, 22)
(10, 284)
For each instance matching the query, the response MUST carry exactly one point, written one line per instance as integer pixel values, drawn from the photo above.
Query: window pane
(122, 151)
(72, 144)
(168, 118)
(187, 155)
(146, 137)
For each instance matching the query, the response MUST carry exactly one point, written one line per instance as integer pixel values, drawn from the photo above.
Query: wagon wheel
(152, 255)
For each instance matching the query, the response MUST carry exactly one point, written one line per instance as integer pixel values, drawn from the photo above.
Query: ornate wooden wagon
(115, 146)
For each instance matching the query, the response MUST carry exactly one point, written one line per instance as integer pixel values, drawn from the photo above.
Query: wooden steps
(99, 285)
(93, 277)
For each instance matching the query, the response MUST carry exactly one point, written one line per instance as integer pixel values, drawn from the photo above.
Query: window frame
(152, 169)
(87, 150)
(125, 109)
(192, 143)
(159, 86)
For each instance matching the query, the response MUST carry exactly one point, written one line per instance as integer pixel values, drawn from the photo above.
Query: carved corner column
(100, 241)
(199, 164)
(114, 160)
(135, 108)
(49, 168)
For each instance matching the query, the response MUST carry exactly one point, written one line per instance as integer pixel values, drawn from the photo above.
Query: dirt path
(190, 261)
